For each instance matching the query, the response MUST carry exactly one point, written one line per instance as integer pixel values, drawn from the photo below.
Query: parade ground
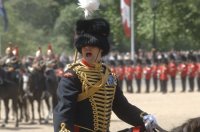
(170, 110)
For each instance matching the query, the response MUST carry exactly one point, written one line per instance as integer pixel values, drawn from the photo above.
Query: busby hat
(93, 32)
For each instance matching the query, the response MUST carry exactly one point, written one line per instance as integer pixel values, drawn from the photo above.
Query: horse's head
(192, 125)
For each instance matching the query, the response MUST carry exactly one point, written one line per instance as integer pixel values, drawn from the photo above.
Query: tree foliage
(34, 23)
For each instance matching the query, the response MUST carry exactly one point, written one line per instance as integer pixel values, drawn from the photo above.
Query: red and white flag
(125, 13)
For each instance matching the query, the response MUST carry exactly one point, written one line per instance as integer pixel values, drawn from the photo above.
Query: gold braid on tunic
(100, 91)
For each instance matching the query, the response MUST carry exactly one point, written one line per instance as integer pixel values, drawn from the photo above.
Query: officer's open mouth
(88, 54)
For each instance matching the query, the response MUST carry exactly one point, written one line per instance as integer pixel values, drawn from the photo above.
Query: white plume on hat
(89, 6)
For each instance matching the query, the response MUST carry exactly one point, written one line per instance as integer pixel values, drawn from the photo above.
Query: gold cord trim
(94, 88)
(63, 129)
(85, 128)
(98, 91)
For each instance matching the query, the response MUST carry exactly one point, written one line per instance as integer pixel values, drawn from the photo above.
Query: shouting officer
(89, 91)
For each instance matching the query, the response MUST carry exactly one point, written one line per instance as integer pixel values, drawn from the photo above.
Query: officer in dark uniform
(88, 91)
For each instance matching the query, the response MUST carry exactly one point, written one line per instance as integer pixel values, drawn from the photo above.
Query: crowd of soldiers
(159, 68)
(30, 76)
(14, 65)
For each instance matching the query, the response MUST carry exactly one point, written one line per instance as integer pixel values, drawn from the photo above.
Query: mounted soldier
(10, 63)
(89, 91)
(50, 59)
(38, 62)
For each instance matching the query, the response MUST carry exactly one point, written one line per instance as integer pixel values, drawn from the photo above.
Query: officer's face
(91, 54)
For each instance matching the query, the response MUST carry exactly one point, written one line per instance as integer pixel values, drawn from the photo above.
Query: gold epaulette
(71, 66)
(63, 128)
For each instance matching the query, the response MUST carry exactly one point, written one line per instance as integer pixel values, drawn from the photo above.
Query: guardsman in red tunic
(112, 66)
(155, 74)
(183, 69)
(120, 72)
(138, 74)
(172, 71)
(147, 74)
(129, 74)
(192, 71)
(163, 75)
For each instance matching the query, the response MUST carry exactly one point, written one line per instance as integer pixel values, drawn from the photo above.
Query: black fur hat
(93, 32)
(183, 58)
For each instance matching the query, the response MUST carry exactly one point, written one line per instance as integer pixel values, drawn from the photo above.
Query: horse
(138, 129)
(52, 79)
(36, 88)
(24, 93)
(191, 125)
(51, 82)
(9, 90)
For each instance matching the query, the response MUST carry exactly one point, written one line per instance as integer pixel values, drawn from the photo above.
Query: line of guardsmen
(158, 70)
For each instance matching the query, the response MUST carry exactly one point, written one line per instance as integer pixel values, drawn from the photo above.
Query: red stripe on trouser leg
(136, 129)
(76, 129)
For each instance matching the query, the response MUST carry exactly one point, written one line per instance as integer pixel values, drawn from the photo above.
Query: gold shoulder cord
(63, 129)
(93, 88)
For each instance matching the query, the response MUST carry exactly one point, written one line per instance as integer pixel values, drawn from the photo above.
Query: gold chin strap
(75, 55)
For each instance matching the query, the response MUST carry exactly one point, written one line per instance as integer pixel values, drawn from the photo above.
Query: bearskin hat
(148, 61)
(112, 62)
(172, 57)
(183, 58)
(93, 32)
(139, 61)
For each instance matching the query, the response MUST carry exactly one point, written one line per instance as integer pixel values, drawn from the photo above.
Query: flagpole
(132, 32)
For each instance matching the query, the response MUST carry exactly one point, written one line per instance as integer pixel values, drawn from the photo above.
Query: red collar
(86, 63)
